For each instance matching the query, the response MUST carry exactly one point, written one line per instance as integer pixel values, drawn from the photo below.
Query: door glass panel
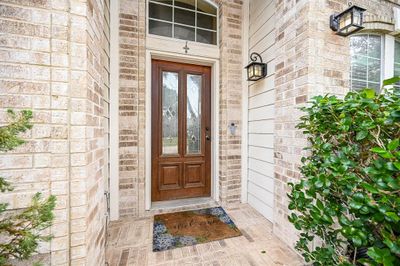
(169, 113)
(193, 114)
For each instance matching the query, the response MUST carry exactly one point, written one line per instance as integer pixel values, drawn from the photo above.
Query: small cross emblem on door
(186, 48)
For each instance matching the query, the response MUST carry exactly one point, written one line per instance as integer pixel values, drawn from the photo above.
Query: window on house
(191, 20)
(397, 60)
(366, 62)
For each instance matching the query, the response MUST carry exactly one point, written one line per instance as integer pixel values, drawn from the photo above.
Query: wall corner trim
(114, 110)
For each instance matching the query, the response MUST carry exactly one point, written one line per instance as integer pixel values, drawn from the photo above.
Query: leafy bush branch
(348, 202)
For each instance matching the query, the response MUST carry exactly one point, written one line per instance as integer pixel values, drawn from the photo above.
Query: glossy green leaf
(369, 93)
(378, 150)
(391, 81)
(370, 188)
(361, 135)
(392, 216)
(393, 145)
(357, 241)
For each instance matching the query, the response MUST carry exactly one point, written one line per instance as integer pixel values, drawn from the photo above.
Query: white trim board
(114, 110)
(183, 58)
(244, 133)
(388, 58)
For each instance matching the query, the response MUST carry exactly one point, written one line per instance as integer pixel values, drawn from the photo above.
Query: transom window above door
(191, 20)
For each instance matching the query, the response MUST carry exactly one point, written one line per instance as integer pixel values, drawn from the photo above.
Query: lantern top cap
(350, 8)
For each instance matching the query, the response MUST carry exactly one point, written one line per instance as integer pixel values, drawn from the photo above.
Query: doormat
(174, 230)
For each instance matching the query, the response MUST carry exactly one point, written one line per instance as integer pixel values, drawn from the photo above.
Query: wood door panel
(194, 175)
(169, 176)
(181, 126)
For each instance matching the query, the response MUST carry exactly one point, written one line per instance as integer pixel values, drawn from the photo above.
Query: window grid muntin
(179, 7)
(180, 24)
(381, 60)
(173, 6)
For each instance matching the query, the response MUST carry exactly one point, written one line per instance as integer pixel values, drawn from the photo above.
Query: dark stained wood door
(181, 131)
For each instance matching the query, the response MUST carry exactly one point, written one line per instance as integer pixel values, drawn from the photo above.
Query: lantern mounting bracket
(254, 56)
(334, 22)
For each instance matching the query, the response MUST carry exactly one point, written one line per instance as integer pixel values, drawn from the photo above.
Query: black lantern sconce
(349, 21)
(256, 70)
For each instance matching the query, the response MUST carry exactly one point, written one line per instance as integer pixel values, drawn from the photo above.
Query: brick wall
(93, 252)
(310, 60)
(50, 62)
(131, 106)
(230, 100)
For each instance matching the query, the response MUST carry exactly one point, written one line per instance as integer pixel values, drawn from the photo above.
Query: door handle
(208, 137)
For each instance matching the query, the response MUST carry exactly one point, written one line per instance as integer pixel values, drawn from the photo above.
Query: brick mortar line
(20, 5)
(47, 25)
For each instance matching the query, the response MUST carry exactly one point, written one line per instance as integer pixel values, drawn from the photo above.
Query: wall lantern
(256, 70)
(348, 22)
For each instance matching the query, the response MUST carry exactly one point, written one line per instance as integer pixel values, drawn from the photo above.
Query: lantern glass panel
(349, 30)
(250, 72)
(357, 17)
(345, 20)
(258, 70)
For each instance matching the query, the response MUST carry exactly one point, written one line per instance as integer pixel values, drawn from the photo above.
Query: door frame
(183, 58)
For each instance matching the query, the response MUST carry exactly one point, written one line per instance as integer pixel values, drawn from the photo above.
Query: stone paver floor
(130, 243)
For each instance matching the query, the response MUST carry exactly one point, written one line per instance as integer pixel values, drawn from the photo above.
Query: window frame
(382, 63)
(397, 85)
(195, 27)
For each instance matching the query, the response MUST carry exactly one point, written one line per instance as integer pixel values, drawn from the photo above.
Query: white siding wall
(261, 110)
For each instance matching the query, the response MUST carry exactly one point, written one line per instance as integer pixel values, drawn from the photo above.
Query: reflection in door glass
(169, 113)
(193, 113)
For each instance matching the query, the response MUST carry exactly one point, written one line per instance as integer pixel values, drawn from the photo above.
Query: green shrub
(21, 231)
(349, 197)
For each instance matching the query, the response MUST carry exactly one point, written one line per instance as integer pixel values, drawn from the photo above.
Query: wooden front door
(181, 131)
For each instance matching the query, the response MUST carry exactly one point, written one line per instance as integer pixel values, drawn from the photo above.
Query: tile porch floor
(130, 243)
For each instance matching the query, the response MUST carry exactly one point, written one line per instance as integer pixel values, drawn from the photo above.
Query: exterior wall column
(131, 106)
(230, 100)
(52, 62)
(310, 60)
